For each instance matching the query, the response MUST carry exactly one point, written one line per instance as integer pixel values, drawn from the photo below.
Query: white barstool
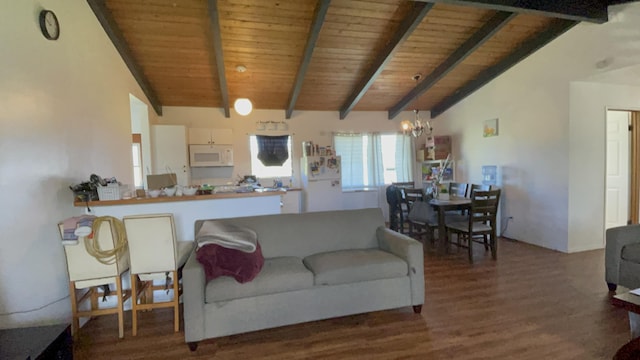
(87, 272)
(155, 255)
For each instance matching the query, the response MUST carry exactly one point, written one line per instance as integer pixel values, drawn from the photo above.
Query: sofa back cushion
(310, 233)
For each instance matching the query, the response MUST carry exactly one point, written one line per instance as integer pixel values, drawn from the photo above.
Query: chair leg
(176, 301)
(120, 306)
(486, 242)
(494, 246)
(75, 324)
(470, 247)
(134, 304)
(94, 298)
(148, 295)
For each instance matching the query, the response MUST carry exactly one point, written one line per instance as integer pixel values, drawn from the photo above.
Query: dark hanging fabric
(394, 206)
(273, 150)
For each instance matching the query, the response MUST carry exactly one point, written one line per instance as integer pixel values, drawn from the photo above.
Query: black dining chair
(480, 225)
(423, 220)
(478, 187)
(404, 206)
(392, 201)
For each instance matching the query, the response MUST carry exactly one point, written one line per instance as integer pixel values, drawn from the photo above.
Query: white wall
(64, 115)
(530, 150)
(589, 104)
(550, 147)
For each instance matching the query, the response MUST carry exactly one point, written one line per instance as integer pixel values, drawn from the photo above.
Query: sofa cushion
(278, 274)
(631, 253)
(347, 266)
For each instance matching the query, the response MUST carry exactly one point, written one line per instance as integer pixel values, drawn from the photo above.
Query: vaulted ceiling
(335, 55)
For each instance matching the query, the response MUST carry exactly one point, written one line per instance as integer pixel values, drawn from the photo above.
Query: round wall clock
(49, 25)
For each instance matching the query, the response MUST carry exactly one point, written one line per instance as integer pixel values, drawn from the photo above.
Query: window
(374, 159)
(259, 170)
(136, 152)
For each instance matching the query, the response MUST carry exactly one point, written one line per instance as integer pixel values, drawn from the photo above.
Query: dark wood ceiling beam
(409, 24)
(556, 29)
(115, 35)
(218, 61)
(491, 27)
(318, 19)
(577, 10)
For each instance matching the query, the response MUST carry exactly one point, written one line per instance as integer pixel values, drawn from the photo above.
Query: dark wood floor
(531, 303)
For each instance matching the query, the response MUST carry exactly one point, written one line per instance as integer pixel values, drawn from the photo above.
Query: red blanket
(218, 261)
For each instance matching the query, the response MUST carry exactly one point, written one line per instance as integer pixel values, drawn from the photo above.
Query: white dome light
(243, 106)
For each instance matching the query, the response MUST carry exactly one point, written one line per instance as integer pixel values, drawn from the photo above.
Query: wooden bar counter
(187, 209)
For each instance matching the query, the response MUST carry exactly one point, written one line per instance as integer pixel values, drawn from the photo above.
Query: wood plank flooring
(531, 303)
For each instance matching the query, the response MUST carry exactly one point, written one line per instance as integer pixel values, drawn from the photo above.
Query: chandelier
(418, 127)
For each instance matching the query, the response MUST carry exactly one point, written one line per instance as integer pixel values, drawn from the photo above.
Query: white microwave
(210, 155)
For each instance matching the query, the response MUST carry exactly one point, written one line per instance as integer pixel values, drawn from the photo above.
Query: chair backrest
(403, 199)
(458, 189)
(83, 266)
(392, 195)
(408, 184)
(152, 243)
(484, 207)
(478, 187)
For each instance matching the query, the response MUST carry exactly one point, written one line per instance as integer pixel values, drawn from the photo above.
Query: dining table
(442, 206)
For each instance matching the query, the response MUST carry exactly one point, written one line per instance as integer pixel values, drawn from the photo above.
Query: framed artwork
(490, 128)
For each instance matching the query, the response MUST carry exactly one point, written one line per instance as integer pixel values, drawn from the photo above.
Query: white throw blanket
(227, 235)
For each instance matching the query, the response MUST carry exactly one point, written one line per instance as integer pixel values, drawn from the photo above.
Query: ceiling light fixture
(418, 127)
(243, 106)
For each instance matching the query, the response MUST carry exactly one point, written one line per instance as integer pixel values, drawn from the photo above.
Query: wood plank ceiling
(336, 55)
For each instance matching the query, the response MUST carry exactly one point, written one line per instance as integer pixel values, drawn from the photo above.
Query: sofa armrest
(193, 285)
(616, 239)
(411, 251)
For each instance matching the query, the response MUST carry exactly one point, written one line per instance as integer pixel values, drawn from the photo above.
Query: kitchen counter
(161, 199)
(187, 209)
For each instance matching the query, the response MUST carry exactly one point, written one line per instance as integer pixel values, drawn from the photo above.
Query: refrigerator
(321, 183)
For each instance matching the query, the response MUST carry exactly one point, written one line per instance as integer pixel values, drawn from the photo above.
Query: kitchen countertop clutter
(161, 198)
(98, 191)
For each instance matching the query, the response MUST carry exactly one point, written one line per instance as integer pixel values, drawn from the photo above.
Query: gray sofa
(622, 257)
(317, 266)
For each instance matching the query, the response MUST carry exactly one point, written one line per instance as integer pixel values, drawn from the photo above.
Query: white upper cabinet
(210, 136)
(169, 151)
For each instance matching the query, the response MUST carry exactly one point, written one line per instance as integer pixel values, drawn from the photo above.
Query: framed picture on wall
(490, 128)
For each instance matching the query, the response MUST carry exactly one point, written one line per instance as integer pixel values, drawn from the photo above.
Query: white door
(170, 152)
(617, 183)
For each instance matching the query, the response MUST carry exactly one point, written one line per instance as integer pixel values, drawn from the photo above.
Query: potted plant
(443, 193)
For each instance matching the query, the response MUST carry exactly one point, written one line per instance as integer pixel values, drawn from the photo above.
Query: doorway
(141, 141)
(622, 192)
